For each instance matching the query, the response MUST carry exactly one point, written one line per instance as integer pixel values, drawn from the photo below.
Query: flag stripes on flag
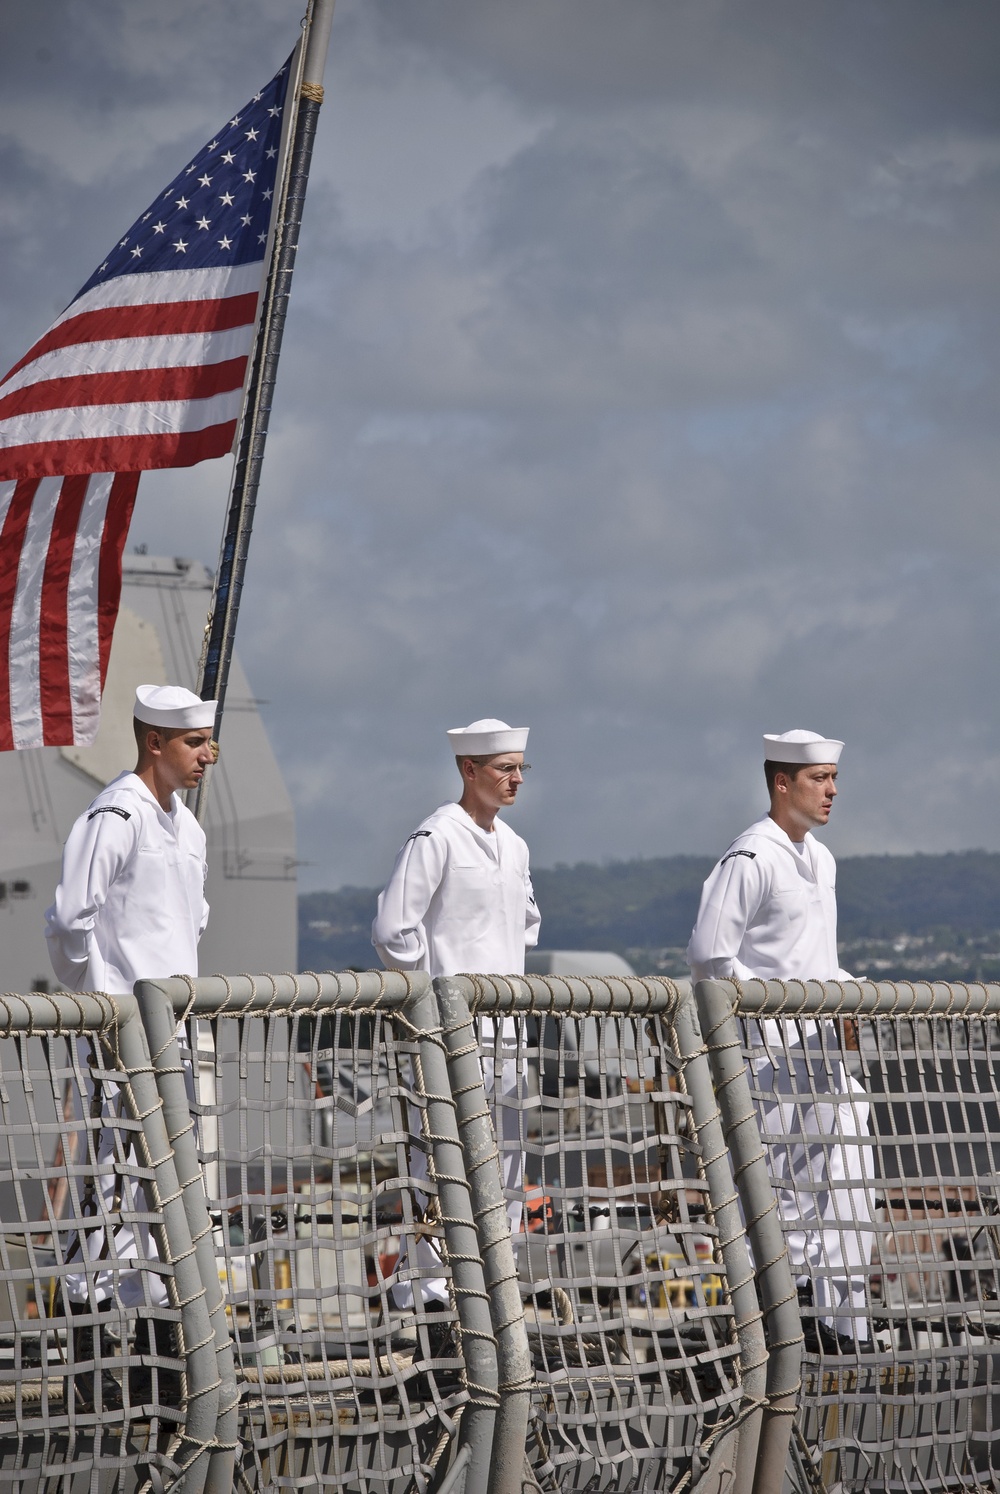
(58, 602)
(144, 369)
(139, 384)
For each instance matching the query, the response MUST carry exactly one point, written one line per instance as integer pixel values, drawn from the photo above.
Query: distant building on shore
(575, 962)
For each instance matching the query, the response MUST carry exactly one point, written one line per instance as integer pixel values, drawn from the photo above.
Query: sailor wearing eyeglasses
(460, 901)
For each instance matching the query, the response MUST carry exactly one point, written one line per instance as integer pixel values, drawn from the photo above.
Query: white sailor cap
(172, 705)
(801, 747)
(486, 738)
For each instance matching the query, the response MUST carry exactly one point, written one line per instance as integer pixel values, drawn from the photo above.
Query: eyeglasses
(509, 769)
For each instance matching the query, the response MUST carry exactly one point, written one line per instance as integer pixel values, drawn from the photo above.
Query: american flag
(145, 368)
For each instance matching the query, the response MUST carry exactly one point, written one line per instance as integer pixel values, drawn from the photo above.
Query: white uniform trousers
(507, 1124)
(822, 1181)
(115, 1272)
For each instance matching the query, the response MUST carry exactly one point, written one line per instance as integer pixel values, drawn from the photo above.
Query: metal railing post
(732, 1237)
(142, 1097)
(482, 1165)
(421, 1018)
(158, 1018)
(774, 1276)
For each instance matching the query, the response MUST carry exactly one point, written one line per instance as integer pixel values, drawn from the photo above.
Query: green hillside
(900, 916)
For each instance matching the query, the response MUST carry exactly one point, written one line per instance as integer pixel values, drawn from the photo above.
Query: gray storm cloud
(640, 384)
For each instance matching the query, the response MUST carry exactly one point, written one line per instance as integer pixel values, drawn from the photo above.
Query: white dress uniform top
(131, 902)
(769, 912)
(130, 905)
(459, 900)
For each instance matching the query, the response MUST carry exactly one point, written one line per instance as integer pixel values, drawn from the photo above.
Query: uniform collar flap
(773, 831)
(133, 784)
(486, 838)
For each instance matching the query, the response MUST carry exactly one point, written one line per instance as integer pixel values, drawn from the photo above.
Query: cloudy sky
(640, 385)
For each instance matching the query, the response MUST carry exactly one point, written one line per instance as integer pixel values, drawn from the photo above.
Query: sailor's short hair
(771, 769)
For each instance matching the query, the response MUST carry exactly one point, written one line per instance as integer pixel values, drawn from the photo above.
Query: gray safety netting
(330, 1246)
(339, 1150)
(631, 1332)
(92, 1382)
(882, 1139)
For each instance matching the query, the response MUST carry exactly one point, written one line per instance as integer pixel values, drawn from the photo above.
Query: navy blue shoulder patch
(126, 814)
(416, 834)
(730, 854)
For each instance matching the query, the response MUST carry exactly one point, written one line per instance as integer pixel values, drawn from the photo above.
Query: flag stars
(240, 165)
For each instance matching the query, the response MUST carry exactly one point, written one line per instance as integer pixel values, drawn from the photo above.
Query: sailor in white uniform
(460, 901)
(131, 901)
(459, 898)
(769, 912)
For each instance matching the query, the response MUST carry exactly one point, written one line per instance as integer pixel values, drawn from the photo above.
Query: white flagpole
(306, 92)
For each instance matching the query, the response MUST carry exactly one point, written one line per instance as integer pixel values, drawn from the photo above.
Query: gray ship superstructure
(250, 822)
